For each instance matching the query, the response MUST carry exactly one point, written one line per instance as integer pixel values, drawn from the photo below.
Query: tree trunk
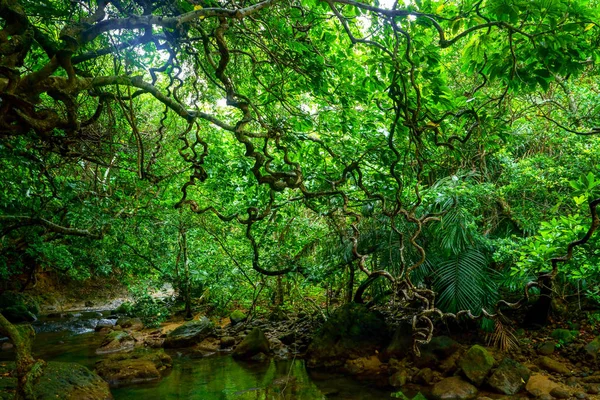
(279, 292)
(28, 369)
(350, 283)
(186, 266)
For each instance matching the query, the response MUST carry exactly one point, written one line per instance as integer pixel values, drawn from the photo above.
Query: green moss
(237, 316)
(476, 364)
(19, 300)
(68, 381)
(564, 335)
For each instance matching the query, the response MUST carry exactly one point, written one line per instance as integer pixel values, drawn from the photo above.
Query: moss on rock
(67, 381)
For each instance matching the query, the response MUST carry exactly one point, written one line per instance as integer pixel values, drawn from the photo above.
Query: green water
(222, 378)
(209, 378)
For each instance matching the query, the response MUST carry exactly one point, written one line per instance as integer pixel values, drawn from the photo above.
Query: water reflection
(211, 378)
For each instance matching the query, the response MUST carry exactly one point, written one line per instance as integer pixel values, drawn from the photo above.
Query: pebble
(560, 393)
(7, 346)
(572, 381)
(581, 395)
(593, 390)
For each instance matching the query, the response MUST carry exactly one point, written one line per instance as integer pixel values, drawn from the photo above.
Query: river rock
(7, 346)
(253, 344)
(510, 377)
(560, 393)
(237, 317)
(437, 350)
(139, 366)
(539, 385)
(227, 341)
(116, 341)
(592, 349)
(476, 364)
(453, 388)
(547, 348)
(352, 331)
(280, 351)
(189, 333)
(135, 324)
(552, 365)
(207, 347)
(424, 376)
(399, 379)
(364, 366)
(103, 325)
(66, 381)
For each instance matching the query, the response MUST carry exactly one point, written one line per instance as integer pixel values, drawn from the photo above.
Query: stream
(210, 378)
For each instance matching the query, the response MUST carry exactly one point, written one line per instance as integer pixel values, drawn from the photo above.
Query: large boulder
(510, 377)
(130, 368)
(189, 334)
(438, 349)
(253, 344)
(364, 366)
(135, 324)
(18, 313)
(66, 381)
(453, 388)
(540, 385)
(116, 341)
(352, 331)
(476, 364)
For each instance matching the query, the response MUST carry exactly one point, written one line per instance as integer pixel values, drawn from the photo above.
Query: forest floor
(559, 360)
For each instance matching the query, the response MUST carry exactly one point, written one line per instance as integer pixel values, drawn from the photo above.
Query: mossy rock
(237, 316)
(440, 348)
(135, 324)
(593, 348)
(564, 335)
(476, 364)
(189, 334)
(352, 331)
(136, 367)
(254, 343)
(19, 307)
(116, 341)
(510, 377)
(453, 388)
(67, 381)
(18, 313)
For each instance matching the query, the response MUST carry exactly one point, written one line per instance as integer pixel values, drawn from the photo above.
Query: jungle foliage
(439, 153)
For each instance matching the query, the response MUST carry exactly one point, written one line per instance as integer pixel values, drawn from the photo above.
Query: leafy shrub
(151, 311)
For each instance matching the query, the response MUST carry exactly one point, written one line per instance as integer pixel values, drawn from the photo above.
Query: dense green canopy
(445, 147)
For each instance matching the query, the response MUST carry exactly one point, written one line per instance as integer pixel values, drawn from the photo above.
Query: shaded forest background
(432, 157)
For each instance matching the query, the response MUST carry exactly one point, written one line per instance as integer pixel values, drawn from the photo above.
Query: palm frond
(459, 281)
(503, 337)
